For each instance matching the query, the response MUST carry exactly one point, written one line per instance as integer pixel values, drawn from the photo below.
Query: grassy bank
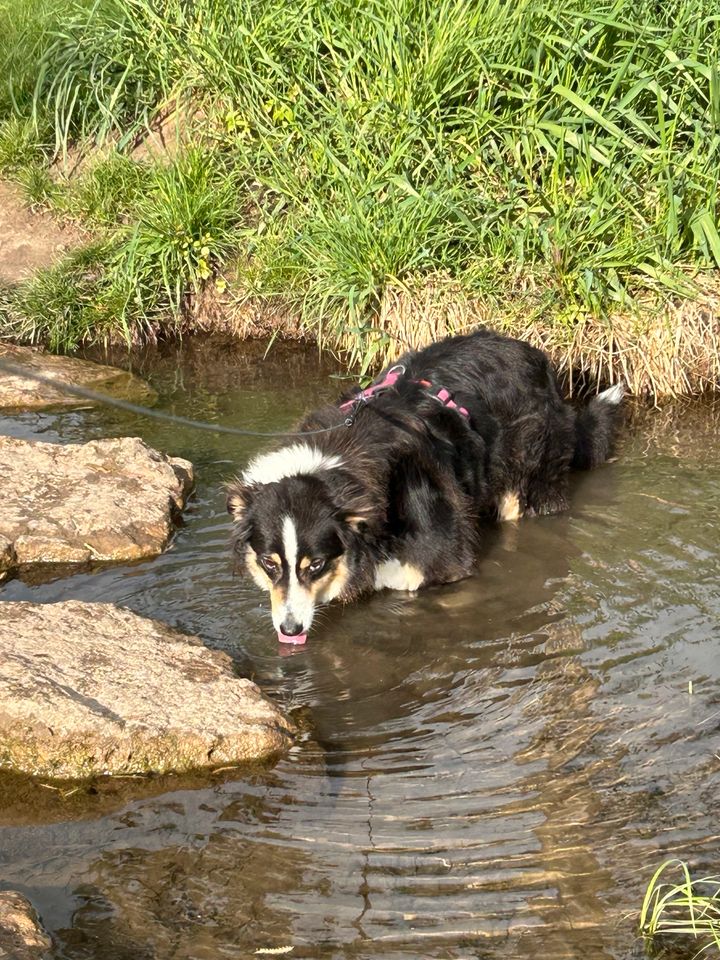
(377, 173)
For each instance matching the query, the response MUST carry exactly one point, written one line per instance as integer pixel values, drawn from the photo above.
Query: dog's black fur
(415, 477)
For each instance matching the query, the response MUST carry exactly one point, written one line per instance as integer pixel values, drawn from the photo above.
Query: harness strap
(443, 395)
(439, 393)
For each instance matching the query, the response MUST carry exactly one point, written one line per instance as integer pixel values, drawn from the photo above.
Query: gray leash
(86, 394)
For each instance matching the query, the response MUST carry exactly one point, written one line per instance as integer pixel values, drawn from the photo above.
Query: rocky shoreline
(22, 936)
(93, 689)
(22, 393)
(90, 690)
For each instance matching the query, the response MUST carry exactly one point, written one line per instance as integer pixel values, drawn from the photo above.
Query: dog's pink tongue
(299, 638)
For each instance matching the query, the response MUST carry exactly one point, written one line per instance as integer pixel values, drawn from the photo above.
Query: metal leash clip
(354, 404)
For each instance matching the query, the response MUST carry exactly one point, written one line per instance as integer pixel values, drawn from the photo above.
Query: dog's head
(298, 515)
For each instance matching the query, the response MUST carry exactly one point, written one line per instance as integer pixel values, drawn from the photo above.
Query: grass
(106, 194)
(76, 302)
(27, 29)
(185, 223)
(551, 162)
(172, 226)
(680, 910)
(19, 145)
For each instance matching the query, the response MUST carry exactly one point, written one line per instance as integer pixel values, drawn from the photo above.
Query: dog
(389, 487)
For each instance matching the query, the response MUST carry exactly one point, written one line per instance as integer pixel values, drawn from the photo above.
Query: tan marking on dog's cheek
(256, 571)
(332, 586)
(509, 507)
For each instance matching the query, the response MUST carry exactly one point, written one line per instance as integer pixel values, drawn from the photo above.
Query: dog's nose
(290, 627)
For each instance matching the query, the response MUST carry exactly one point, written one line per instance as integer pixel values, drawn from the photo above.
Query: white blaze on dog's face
(309, 577)
(293, 538)
(302, 565)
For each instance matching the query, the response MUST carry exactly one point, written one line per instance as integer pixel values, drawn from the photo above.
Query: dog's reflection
(394, 655)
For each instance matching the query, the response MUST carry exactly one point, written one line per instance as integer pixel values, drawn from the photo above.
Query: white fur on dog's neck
(292, 461)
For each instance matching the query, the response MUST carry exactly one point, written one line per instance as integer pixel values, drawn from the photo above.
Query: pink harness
(441, 394)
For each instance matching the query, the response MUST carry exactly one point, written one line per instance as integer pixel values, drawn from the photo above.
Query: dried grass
(241, 315)
(664, 349)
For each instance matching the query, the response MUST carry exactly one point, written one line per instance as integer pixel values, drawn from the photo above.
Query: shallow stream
(491, 769)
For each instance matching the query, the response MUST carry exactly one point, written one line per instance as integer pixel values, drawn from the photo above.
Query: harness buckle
(389, 380)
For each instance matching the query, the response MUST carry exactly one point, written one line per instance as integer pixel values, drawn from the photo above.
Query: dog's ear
(356, 507)
(239, 497)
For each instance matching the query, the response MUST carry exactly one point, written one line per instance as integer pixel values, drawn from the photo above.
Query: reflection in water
(491, 769)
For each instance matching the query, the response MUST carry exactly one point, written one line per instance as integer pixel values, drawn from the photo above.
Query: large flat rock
(90, 688)
(21, 935)
(103, 501)
(21, 392)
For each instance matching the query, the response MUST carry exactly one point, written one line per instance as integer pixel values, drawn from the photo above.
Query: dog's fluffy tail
(595, 428)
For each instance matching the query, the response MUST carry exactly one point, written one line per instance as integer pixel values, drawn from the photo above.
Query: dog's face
(292, 536)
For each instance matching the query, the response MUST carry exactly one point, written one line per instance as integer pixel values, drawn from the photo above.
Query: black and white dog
(391, 496)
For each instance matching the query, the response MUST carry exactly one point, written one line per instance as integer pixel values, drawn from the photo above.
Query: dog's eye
(316, 566)
(269, 565)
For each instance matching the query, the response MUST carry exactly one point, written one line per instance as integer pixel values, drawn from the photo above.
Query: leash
(439, 393)
(86, 394)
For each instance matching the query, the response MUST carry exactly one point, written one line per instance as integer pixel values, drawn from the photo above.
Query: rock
(106, 500)
(21, 935)
(22, 393)
(90, 688)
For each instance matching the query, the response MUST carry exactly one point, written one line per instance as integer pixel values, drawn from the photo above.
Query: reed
(681, 909)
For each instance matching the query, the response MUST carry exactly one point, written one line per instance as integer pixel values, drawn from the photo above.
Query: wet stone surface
(21, 934)
(89, 689)
(22, 392)
(107, 500)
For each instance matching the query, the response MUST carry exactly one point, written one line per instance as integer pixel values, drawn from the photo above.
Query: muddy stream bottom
(491, 769)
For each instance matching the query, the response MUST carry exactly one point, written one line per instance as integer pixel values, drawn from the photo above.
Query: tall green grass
(676, 911)
(574, 146)
(27, 29)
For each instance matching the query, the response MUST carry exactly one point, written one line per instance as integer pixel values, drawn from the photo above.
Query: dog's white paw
(509, 507)
(394, 575)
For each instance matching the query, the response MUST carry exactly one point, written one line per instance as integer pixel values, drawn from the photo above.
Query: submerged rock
(21, 935)
(23, 393)
(106, 500)
(90, 688)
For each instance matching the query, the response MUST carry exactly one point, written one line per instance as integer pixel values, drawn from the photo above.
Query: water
(488, 770)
